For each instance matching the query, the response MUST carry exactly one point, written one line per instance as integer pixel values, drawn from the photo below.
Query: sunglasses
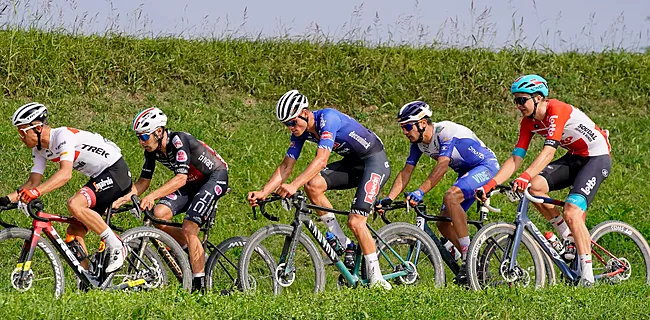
(407, 126)
(144, 136)
(24, 130)
(291, 123)
(520, 101)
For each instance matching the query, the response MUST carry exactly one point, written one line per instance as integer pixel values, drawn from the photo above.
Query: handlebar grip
(531, 197)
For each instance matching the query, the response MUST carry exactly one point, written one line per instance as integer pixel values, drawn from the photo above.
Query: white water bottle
(449, 246)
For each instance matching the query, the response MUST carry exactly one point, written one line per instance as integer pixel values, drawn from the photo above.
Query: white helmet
(413, 111)
(290, 105)
(149, 120)
(28, 113)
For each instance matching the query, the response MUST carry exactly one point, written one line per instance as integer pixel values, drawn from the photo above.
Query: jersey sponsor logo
(89, 195)
(372, 188)
(96, 150)
(591, 183)
(586, 132)
(206, 161)
(476, 153)
(363, 142)
(103, 184)
(326, 135)
(552, 126)
(605, 173)
(60, 145)
(322, 122)
(218, 190)
(181, 156)
(172, 196)
(79, 165)
(482, 177)
(176, 141)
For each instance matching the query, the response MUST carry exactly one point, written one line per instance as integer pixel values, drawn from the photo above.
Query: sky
(558, 25)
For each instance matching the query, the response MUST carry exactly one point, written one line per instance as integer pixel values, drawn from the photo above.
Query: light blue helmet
(530, 84)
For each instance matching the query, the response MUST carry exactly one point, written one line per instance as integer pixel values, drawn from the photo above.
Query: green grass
(224, 92)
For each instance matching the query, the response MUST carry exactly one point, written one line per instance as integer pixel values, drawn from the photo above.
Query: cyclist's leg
(558, 175)
(447, 228)
(171, 205)
(594, 171)
(343, 174)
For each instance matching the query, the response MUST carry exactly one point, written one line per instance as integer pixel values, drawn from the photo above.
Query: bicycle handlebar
(262, 205)
(538, 199)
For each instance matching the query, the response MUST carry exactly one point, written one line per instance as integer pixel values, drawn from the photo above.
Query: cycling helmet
(290, 105)
(149, 120)
(413, 111)
(530, 84)
(28, 113)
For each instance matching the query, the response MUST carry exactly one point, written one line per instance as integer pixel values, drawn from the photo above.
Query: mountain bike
(301, 267)
(620, 253)
(28, 262)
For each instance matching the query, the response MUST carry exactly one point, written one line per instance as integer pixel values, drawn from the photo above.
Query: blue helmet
(530, 84)
(413, 111)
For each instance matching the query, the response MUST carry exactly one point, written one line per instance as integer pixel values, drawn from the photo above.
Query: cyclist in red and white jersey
(86, 152)
(583, 168)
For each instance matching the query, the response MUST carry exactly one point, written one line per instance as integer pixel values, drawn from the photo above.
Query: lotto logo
(552, 126)
(181, 156)
(372, 188)
(591, 183)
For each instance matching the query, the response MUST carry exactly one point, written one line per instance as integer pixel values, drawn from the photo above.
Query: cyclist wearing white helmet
(364, 166)
(452, 146)
(583, 168)
(86, 152)
(201, 178)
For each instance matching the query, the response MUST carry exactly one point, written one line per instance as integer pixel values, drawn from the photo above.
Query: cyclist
(452, 146)
(201, 178)
(584, 167)
(364, 166)
(89, 153)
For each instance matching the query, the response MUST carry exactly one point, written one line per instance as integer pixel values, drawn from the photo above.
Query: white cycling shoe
(116, 258)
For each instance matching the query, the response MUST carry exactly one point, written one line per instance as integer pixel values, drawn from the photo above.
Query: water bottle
(75, 247)
(449, 246)
(334, 242)
(555, 242)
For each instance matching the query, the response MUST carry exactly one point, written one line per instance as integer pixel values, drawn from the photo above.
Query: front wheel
(490, 253)
(619, 253)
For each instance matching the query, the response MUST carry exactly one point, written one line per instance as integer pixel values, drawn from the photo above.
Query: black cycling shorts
(113, 183)
(368, 175)
(197, 199)
(585, 174)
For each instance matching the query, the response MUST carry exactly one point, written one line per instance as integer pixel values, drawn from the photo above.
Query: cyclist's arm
(58, 179)
(402, 179)
(543, 159)
(140, 186)
(170, 186)
(34, 180)
(436, 174)
(280, 175)
(508, 168)
(319, 163)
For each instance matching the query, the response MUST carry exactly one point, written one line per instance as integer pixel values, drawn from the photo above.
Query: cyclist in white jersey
(88, 153)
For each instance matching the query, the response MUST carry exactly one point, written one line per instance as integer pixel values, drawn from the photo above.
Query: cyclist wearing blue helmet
(453, 146)
(583, 168)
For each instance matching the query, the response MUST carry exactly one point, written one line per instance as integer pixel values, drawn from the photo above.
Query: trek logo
(372, 188)
(177, 142)
(552, 126)
(181, 156)
(206, 161)
(103, 184)
(96, 150)
(591, 183)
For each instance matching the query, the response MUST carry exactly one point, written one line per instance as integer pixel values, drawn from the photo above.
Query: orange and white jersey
(566, 126)
(90, 153)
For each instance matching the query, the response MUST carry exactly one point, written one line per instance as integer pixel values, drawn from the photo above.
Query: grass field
(224, 93)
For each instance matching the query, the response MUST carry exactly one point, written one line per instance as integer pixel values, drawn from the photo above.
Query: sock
(111, 240)
(585, 265)
(334, 227)
(198, 275)
(372, 267)
(464, 245)
(561, 227)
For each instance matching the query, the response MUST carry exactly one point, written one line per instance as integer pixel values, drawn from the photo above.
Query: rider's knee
(538, 185)
(573, 214)
(453, 196)
(316, 185)
(75, 204)
(356, 223)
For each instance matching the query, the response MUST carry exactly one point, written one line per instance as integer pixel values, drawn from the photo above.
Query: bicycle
(220, 265)
(300, 261)
(142, 270)
(617, 268)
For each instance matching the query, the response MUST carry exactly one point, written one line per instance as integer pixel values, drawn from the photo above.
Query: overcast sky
(556, 24)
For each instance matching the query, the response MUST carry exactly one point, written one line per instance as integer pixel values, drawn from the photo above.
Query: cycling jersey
(90, 153)
(455, 141)
(185, 155)
(566, 126)
(340, 133)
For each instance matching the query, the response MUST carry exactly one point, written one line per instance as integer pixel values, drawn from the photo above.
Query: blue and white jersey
(340, 133)
(455, 141)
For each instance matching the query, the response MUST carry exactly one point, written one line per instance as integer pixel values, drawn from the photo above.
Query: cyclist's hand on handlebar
(27, 195)
(383, 202)
(482, 192)
(147, 203)
(286, 190)
(415, 197)
(521, 183)
(119, 202)
(253, 196)
(5, 201)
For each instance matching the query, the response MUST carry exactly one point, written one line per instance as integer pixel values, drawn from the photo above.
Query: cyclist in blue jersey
(364, 166)
(452, 146)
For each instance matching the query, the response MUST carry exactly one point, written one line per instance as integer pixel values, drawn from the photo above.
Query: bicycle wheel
(416, 248)
(46, 272)
(488, 259)
(221, 267)
(620, 253)
(154, 256)
(308, 274)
